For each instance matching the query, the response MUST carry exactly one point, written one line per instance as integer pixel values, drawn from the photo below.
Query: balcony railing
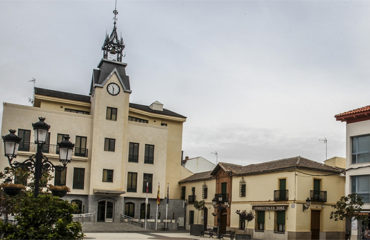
(52, 149)
(318, 196)
(281, 195)
(191, 198)
(222, 197)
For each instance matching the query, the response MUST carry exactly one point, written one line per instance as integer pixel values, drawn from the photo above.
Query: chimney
(157, 106)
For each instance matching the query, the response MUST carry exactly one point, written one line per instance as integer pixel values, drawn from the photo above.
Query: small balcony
(191, 199)
(318, 196)
(222, 197)
(51, 148)
(281, 195)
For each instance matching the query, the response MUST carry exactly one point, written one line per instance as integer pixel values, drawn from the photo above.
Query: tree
(348, 208)
(43, 217)
(199, 205)
(245, 216)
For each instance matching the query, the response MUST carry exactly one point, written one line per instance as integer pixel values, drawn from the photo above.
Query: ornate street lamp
(11, 144)
(37, 162)
(65, 151)
(41, 130)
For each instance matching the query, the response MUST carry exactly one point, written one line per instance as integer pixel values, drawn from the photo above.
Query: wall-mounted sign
(270, 208)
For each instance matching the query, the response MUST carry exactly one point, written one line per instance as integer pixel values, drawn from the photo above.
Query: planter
(243, 237)
(59, 191)
(12, 189)
(196, 229)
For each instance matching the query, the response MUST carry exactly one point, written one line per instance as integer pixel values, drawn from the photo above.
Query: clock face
(113, 89)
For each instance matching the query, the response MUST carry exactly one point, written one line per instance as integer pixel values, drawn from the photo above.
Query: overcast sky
(258, 80)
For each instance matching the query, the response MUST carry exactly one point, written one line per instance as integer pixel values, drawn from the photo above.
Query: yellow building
(289, 198)
(120, 146)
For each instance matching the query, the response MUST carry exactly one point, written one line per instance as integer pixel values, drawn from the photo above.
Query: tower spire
(112, 44)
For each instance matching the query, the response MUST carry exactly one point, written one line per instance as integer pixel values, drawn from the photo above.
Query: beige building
(289, 198)
(120, 147)
(358, 161)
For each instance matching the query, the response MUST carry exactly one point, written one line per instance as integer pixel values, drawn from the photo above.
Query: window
(142, 211)
(78, 203)
(164, 124)
(46, 145)
(76, 111)
(107, 175)
(148, 178)
(260, 223)
(24, 144)
(361, 186)
(131, 181)
(78, 178)
(80, 146)
(183, 192)
(361, 149)
(60, 176)
(282, 187)
(111, 114)
(191, 217)
(193, 191)
(224, 187)
(133, 153)
(280, 221)
(149, 154)
(205, 191)
(60, 138)
(243, 188)
(135, 119)
(109, 144)
(130, 209)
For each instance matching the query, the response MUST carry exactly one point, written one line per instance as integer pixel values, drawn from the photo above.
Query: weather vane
(115, 12)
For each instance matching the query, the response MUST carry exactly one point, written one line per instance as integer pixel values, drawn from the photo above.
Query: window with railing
(80, 146)
(60, 138)
(281, 195)
(25, 135)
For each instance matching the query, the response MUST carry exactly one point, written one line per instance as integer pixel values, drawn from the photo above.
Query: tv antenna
(216, 154)
(325, 140)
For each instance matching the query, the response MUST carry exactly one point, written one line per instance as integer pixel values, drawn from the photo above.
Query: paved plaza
(141, 235)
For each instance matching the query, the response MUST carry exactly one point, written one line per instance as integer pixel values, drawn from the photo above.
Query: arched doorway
(79, 205)
(142, 211)
(105, 211)
(130, 209)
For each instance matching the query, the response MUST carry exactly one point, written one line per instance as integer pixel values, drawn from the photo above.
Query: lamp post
(37, 162)
(219, 204)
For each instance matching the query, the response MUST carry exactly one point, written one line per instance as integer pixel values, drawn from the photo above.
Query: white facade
(198, 164)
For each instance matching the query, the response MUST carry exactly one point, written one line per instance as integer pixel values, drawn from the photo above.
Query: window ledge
(279, 232)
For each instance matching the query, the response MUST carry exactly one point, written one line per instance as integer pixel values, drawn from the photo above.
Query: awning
(107, 192)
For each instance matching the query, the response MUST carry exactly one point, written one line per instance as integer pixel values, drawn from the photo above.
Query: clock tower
(110, 94)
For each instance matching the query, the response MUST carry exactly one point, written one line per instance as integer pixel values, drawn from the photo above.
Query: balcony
(222, 197)
(191, 199)
(52, 149)
(318, 196)
(281, 195)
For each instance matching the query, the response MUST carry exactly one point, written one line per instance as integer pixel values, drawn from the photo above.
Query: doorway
(205, 217)
(105, 211)
(223, 221)
(315, 225)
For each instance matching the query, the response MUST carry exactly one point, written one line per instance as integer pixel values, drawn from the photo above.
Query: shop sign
(270, 208)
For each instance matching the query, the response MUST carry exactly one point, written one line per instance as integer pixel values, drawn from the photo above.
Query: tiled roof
(85, 98)
(355, 115)
(198, 177)
(148, 109)
(283, 164)
(266, 167)
(63, 95)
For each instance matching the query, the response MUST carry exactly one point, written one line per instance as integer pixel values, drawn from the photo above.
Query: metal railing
(281, 195)
(191, 198)
(51, 148)
(222, 197)
(318, 196)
